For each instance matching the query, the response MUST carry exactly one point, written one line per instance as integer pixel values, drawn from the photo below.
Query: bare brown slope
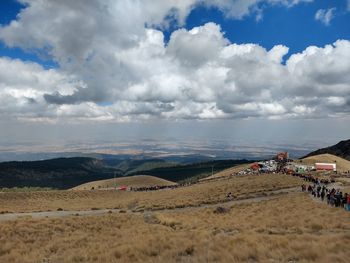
(130, 181)
(342, 164)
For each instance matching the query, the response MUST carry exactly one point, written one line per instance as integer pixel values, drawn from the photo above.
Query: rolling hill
(130, 181)
(341, 149)
(342, 164)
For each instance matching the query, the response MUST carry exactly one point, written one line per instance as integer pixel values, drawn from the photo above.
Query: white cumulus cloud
(114, 65)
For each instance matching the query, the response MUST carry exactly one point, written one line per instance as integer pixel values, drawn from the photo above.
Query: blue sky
(294, 27)
(9, 11)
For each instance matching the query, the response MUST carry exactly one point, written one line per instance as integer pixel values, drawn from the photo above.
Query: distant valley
(173, 165)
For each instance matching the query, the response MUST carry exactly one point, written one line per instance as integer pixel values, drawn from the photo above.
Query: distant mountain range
(341, 149)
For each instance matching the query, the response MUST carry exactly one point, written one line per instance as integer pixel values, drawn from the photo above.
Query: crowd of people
(313, 179)
(333, 197)
(319, 189)
(153, 188)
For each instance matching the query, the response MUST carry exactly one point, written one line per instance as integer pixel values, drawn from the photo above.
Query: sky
(242, 70)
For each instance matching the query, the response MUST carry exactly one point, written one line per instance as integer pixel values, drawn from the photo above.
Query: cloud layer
(114, 65)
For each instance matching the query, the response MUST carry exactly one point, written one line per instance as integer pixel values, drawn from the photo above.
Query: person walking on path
(348, 203)
(323, 193)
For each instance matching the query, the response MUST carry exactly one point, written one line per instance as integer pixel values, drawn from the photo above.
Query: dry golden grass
(194, 195)
(345, 181)
(130, 181)
(342, 164)
(293, 228)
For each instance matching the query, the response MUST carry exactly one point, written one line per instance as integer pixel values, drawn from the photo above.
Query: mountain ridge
(341, 149)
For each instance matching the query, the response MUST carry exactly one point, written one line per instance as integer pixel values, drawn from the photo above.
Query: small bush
(221, 210)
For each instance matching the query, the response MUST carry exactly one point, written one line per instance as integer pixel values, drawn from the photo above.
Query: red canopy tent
(255, 166)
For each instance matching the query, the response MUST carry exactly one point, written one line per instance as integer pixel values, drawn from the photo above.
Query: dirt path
(60, 214)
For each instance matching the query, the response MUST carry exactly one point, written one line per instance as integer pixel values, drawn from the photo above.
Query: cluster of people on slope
(153, 188)
(334, 197)
(313, 179)
(318, 189)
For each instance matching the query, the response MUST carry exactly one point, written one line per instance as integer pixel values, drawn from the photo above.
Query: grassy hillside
(342, 164)
(292, 228)
(130, 181)
(171, 226)
(194, 195)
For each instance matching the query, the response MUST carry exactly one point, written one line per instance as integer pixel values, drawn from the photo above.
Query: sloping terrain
(268, 220)
(61, 173)
(130, 181)
(341, 149)
(207, 192)
(342, 164)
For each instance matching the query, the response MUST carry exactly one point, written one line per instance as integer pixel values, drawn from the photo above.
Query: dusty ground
(208, 192)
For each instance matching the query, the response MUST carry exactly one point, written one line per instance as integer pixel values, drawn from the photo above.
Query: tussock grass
(291, 228)
(25, 189)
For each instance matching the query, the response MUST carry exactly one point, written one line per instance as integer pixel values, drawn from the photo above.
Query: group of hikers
(318, 189)
(313, 179)
(152, 188)
(334, 197)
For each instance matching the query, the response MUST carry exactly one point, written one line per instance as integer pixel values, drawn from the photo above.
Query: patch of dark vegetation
(188, 173)
(221, 210)
(189, 251)
(61, 173)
